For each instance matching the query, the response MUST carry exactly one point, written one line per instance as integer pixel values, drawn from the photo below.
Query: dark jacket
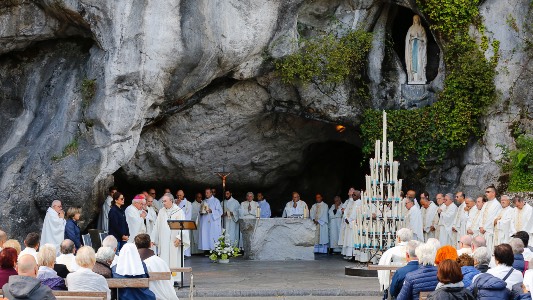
(451, 293)
(482, 268)
(103, 269)
(56, 283)
(422, 280)
(519, 263)
(24, 287)
(4, 275)
(72, 232)
(134, 293)
(399, 277)
(117, 223)
(488, 287)
(61, 270)
(468, 274)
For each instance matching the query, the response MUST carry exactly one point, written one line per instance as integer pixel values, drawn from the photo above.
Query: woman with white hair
(130, 265)
(481, 259)
(394, 256)
(423, 279)
(104, 258)
(84, 279)
(46, 259)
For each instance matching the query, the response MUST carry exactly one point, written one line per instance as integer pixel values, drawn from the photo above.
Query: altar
(278, 239)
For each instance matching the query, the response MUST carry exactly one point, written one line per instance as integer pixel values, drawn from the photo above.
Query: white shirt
(501, 271)
(85, 280)
(69, 260)
(464, 251)
(28, 250)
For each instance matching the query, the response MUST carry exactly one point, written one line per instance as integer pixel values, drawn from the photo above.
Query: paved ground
(322, 278)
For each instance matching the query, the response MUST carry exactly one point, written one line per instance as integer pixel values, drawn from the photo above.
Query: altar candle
(372, 168)
(381, 190)
(377, 150)
(258, 212)
(396, 166)
(305, 212)
(390, 160)
(384, 131)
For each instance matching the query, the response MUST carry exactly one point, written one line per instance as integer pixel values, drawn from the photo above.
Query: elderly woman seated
(104, 258)
(450, 282)
(481, 259)
(518, 249)
(466, 262)
(8, 260)
(84, 279)
(423, 279)
(130, 265)
(46, 259)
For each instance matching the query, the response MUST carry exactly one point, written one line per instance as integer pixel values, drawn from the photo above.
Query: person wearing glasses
(489, 212)
(54, 225)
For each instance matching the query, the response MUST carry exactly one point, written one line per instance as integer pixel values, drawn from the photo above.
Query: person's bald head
(478, 241)
(466, 240)
(3, 238)
(27, 266)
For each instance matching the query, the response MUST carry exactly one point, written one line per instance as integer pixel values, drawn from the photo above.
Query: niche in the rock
(403, 19)
(329, 168)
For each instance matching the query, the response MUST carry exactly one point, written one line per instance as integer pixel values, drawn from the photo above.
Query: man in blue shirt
(264, 206)
(399, 275)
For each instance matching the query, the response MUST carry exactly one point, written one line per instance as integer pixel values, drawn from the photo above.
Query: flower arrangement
(223, 248)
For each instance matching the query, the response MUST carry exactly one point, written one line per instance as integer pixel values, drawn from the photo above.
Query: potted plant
(224, 249)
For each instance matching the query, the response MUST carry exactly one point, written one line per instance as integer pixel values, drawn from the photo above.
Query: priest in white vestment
(135, 217)
(349, 214)
(248, 208)
(490, 211)
(502, 223)
(522, 218)
(447, 217)
(430, 218)
(231, 218)
(186, 206)
(210, 222)
(54, 225)
(169, 241)
(459, 224)
(439, 199)
(335, 221)
(319, 215)
(413, 219)
(103, 219)
(195, 216)
(474, 216)
(395, 256)
(163, 289)
(151, 215)
(296, 207)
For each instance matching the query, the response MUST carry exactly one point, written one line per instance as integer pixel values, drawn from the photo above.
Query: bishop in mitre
(169, 241)
(319, 215)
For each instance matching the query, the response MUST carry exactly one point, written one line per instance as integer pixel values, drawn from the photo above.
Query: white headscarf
(129, 261)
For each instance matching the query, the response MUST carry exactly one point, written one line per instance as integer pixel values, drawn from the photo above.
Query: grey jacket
(24, 287)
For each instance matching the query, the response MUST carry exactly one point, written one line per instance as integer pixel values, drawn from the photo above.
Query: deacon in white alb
(54, 225)
(231, 217)
(335, 221)
(461, 217)
(319, 215)
(151, 215)
(474, 215)
(195, 216)
(169, 241)
(502, 223)
(346, 236)
(210, 222)
(135, 216)
(296, 207)
(522, 218)
(248, 208)
(413, 219)
(430, 217)
(103, 219)
(447, 216)
(490, 211)
(186, 206)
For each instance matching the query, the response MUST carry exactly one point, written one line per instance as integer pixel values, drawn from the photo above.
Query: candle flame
(340, 128)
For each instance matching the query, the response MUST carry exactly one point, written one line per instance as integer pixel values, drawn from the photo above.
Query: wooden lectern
(182, 225)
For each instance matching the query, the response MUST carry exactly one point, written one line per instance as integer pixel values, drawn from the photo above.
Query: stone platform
(278, 239)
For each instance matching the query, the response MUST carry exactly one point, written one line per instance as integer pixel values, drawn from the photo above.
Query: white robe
(489, 212)
(395, 256)
(103, 219)
(248, 210)
(335, 221)
(186, 206)
(163, 289)
(346, 236)
(502, 232)
(459, 223)
(447, 217)
(414, 222)
(522, 221)
(301, 209)
(472, 222)
(135, 222)
(430, 218)
(151, 217)
(232, 222)
(53, 228)
(195, 216)
(319, 212)
(164, 237)
(210, 225)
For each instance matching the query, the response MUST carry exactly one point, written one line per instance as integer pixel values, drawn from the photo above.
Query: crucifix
(223, 175)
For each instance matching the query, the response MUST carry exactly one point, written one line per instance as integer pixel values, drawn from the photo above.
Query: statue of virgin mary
(415, 53)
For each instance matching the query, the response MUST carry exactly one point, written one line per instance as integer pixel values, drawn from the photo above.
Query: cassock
(53, 228)
(231, 219)
(164, 238)
(335, 221)
(395, 256)
(319, 213)
(265, 209)
(502, 232)
(163, 289)
(248, 210)
(103, 219)
(195, 216)
(186, 206)
(346, 236)
(430, 218)
(210, 224)
(522, 221)
(413, 221)
(489, 212)
(301, 209)
(151, 217)
(135, 222)
(459, 223)
(473, 220)
(447, 217)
